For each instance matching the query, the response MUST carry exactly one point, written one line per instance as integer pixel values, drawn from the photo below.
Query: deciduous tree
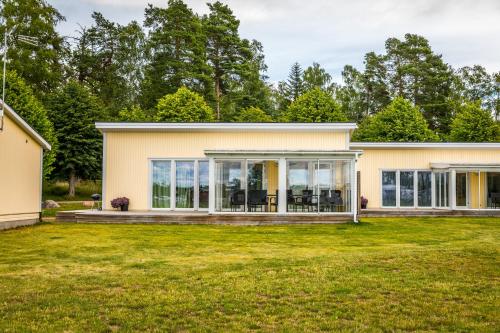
(74, 110)
(183, 106)
(315, 105)
(400, 121)
(471, 123)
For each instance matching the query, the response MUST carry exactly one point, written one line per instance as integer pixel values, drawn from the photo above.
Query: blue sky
(334, 33)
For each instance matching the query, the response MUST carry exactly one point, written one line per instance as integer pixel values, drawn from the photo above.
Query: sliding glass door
(424, 188)
(179, 184)
(229, 186)
(161, 184)
(461, 189)
(441, 189)
(184, 184)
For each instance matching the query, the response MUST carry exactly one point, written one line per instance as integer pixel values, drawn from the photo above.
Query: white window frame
(398, 188)
(173, 184)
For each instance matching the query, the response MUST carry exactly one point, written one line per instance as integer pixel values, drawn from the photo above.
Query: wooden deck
(149, 217)
(427, 212)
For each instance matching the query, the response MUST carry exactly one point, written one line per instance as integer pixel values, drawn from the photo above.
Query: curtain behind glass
(161, 184)
(389, 188)
(184, 184)
(424, 185)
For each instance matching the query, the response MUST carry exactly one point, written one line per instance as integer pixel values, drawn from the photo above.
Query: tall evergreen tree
(40, 66)
(74, 111)
(225, 52)
(416, 73)
(176, 50)
(109, 58)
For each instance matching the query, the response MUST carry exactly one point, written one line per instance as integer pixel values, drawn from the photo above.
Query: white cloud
(336, 32)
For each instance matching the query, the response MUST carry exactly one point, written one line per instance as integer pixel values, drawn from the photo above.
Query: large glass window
(441, 189)
(262, 186)
(203, 188)
(319, 186)
(406, 189)
(161, 184)
(229, 186)
(184, 184)
(461, 189)
(301, 186)
(493, 188)
(424, 184)
(389, 188)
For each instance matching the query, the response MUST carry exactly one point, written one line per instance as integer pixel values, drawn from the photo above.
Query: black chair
(257, 198)
(307, 200)
(495, 200)
(273, 201)
(325, 203)
(337, 201)
(237, 199)
(290, 200)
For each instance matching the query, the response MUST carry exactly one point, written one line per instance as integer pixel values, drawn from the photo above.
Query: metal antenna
(22, 38)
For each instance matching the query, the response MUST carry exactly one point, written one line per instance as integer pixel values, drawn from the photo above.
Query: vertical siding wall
(373, 161)
(128, 153)
(19, 174)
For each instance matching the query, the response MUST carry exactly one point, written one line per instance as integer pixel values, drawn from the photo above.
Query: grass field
(435, 274)
(51, 212)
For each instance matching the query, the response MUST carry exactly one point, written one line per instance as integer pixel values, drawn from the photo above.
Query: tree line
(181, 66)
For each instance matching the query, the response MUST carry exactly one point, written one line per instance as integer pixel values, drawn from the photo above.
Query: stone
(50, 204)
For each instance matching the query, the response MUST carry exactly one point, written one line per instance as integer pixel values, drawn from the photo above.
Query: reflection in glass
(161, 184)
(406, 191)
(461, 189)
(442, 189)
(203, 188)
(389, 188)
(229, 186)
(424, 184)
(184, 184)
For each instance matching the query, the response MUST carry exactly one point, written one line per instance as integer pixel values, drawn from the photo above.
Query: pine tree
(227, 54)
(176, 49)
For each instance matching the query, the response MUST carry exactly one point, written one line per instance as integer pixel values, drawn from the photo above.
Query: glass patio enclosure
(262, 184)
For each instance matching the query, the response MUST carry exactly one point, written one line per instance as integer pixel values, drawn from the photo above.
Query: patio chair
(325, 204)
(273, 201)
(290, 200)
(308, 200)
(257, 198)
(337, 201)
(495, 200)
(236, 200)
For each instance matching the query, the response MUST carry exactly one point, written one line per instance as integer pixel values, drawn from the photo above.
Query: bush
(119, 202)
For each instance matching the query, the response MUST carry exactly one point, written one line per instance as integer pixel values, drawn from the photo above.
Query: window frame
(398, 188)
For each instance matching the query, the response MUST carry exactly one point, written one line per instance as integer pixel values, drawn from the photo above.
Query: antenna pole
(3, 83)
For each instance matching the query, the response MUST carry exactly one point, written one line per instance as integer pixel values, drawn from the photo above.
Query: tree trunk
(72, 184)
(217, 97)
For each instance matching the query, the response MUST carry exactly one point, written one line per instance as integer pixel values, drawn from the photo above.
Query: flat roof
(220, 127)
(427, 145)
(24, 125)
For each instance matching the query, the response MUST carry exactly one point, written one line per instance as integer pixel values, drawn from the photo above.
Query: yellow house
(21, 162)
(289, 169)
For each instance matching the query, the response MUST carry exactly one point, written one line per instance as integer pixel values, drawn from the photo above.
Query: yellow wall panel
(19, 173)
(373, 161)
(127, 153)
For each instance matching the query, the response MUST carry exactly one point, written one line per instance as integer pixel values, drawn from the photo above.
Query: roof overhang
(492, 167)
(221, 127)
(24, 125)
(425, 145)
(334, 154)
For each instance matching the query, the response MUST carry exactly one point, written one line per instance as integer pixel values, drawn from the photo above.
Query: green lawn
(51, 212)
(431, 274)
